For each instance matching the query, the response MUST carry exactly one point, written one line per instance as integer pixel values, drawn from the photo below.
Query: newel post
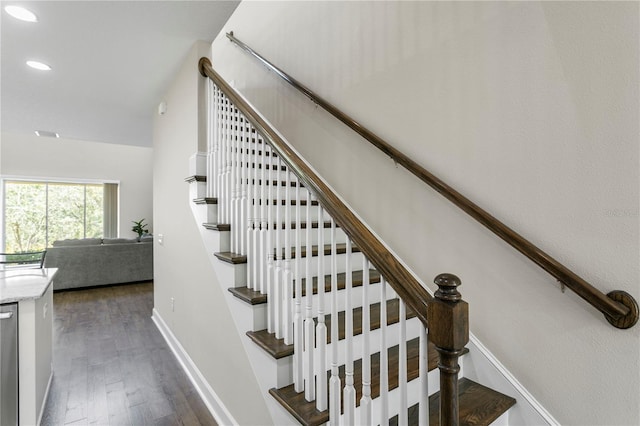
(448, 318)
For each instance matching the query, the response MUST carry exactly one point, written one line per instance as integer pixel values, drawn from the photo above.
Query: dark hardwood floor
(112, 366)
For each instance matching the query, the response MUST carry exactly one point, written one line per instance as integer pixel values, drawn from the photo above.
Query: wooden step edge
(252, 297)
(305, 411)
(205, 200)
(229, 257)
(278, 349)
(195, 178)
(340, 249)
(255, 297)
(356, 281)
(306, 414)
(479, 405)
(217, 226)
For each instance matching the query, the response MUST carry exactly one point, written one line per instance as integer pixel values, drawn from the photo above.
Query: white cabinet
(33, 291)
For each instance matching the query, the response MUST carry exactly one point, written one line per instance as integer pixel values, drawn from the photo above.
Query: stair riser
(231, 275)
(254, 317)
(197, 190)
(206, 213)
(218, 240)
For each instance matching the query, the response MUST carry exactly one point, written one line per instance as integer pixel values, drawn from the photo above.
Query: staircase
(339, 336)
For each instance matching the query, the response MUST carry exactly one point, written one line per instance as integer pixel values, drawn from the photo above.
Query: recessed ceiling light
(47, 134)
(39, 65)
(21, 13)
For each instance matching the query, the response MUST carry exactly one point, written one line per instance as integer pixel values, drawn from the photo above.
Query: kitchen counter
(32, 290)
(17, 285)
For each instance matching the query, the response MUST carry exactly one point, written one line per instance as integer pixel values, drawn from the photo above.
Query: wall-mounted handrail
(618, 307)
(403, 282)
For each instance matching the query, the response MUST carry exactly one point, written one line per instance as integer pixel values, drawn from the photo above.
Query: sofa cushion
(78, 242)
(119, 241)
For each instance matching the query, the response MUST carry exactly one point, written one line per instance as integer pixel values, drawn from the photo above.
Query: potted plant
(140, 228)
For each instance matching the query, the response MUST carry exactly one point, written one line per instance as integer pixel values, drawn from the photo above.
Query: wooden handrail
(403, 282)
(618, 307)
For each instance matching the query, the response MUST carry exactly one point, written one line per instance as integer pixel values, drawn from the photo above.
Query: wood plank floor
(112, 366)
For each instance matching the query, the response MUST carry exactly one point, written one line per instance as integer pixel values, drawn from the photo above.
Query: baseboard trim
(517, 386)
(46, 396)
(206, 392)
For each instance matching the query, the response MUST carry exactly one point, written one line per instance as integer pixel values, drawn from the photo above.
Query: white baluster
(235, 180)
(402, 367)
(365, 401)
(321, 329)
(269, 270)
(298, 330)
(287, 274)
(216, 168)
(224, 155)
(334, 382)
(255, 238)
(423, 410)
(309, 325)
(277, 274)
(210, 137)
(249, 207)
(349, 393)
(384, 358)
(244, 170)
(217, 153)
(262, 268)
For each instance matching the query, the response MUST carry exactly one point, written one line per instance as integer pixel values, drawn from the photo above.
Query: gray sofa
(95, 261)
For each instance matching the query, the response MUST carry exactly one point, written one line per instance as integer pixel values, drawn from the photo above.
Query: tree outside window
(38, 213)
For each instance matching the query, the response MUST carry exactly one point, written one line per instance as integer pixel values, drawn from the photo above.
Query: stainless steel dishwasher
(9, 364)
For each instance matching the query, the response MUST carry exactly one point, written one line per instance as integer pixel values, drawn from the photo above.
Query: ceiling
(111, 63)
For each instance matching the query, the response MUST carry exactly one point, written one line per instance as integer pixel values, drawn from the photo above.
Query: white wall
(32, 156)
(531, 110)
(201, 320)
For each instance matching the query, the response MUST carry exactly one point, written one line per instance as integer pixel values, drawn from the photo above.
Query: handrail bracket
(631, 318)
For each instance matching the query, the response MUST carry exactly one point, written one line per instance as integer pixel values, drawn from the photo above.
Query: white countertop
(24, 284)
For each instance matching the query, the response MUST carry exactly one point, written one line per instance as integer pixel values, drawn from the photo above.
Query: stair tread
(254, 297)
(305, 412)
(205, 200)
(356, 281)
(196, 178)
(235, 258)
(229, 257)
(217, 226)
(479, 405)
(278, 349)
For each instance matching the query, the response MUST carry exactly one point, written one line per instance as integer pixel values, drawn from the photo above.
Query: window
(38, 213)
